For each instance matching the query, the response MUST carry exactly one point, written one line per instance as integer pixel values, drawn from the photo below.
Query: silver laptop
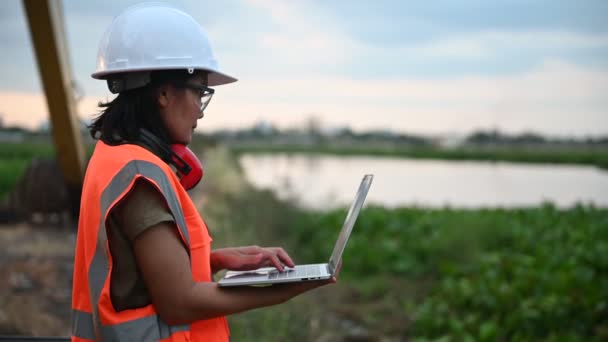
(270, 275)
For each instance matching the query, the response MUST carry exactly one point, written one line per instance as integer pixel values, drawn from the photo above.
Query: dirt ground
(36, 265)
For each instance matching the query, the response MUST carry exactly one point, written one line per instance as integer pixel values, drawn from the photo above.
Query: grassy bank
(14, 158)
(518, 274)
(585, 156)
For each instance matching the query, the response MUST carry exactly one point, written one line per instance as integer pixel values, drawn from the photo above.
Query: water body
(322, 181)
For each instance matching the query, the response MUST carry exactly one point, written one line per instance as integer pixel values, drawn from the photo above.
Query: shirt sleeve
(143, 207)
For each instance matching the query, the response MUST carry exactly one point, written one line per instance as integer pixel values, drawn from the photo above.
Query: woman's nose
(201, 115)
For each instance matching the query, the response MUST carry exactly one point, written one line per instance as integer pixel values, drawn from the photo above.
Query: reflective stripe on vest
(149, 328)
(142, 329)
(82, 325)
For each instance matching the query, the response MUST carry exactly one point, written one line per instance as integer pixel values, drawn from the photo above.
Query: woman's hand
(290, 290)
(249, 258)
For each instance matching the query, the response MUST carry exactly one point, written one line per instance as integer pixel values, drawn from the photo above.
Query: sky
(435, 67)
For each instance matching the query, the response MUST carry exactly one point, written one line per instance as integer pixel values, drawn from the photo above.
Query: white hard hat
(154, 36)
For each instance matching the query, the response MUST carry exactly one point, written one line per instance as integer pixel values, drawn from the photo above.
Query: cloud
(556, 98)
(299, 37)
(294, 59)
(553, 78)
(29, 110)
(491, 43)
(300, 44)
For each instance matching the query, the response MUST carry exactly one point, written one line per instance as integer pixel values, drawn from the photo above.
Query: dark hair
(121, 118)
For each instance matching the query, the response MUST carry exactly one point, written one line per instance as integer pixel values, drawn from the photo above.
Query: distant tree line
(497, 137)
(313, 134)
(268, 133)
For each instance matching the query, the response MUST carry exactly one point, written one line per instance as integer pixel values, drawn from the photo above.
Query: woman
(143, 266)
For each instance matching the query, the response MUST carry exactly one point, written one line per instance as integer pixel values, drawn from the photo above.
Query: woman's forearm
(207, 300)
(179, 299)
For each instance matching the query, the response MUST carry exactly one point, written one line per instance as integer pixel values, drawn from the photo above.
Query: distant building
(45, 126)
(450, 140)
(263, 127)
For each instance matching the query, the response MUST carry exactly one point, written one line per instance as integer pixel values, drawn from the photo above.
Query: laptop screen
(349, 222)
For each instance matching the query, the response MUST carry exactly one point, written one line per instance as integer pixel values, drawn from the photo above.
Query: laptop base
(270, 275)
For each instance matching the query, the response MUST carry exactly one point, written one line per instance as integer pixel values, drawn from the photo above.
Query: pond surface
(321, 181)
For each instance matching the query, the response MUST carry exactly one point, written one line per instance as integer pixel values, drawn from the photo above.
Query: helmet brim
(215, 77)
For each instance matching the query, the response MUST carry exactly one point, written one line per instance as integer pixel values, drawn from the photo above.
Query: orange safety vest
(111, 173)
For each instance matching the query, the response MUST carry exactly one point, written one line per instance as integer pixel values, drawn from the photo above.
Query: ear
(162, 95)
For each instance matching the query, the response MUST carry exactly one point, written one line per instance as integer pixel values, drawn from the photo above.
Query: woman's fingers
(284, 257)
(274, 261)
(277, 257)
(271, 256)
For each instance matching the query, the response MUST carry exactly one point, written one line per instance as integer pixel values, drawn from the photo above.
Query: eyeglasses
(204, 93)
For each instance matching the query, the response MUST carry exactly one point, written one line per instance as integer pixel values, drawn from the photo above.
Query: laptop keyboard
(303, 271)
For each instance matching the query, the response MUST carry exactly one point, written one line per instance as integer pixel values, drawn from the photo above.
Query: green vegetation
(563, 155)
(523, 274)
(412, 273)
(14, 159)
